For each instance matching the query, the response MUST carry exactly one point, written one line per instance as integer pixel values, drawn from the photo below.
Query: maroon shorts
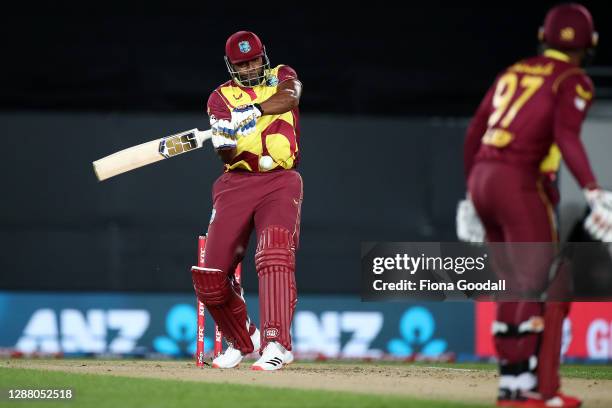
(243, 201)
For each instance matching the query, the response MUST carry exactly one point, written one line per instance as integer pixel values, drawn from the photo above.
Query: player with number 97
(529, 118)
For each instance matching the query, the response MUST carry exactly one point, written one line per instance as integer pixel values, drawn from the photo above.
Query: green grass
(99, 391)
(587, 371)
(591, 372)
(95, 391)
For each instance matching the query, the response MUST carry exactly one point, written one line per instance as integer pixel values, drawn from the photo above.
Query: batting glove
(223, 134)
(469, 227)
(244, 119)
(599, 222)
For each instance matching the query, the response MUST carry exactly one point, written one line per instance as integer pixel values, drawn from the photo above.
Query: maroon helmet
(244, 46)
(568, 27)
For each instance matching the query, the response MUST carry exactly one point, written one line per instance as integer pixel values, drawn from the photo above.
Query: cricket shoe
(558, 401)
(232, 356)
(274, 357)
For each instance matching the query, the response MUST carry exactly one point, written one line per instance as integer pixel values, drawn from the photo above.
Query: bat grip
(203, 135)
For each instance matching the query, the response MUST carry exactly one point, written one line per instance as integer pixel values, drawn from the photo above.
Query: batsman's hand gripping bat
(150, 152)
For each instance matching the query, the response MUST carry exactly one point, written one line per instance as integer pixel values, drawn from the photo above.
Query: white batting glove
(244, 119)
(599, 222)
(223, 134)
(469, 227)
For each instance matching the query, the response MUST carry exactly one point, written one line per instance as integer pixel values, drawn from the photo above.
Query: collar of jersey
(556, 54)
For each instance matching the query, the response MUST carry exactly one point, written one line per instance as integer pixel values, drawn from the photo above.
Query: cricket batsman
(255, 122)
(527, 121)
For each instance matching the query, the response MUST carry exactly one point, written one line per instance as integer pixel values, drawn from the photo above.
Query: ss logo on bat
(178, 144)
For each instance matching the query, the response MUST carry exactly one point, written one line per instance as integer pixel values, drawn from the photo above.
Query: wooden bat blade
(149, 152)
(127, 159)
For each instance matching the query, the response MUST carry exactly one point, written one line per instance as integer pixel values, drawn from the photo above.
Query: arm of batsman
(599, 222)
(469, 227)
(244, 119)
(223, 134)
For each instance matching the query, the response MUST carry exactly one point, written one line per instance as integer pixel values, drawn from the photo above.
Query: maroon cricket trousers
(266, 202)
(514, 206)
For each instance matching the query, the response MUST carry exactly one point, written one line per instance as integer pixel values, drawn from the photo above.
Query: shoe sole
(520, 404)
(224, 368)
(259, 368)
(515, 404)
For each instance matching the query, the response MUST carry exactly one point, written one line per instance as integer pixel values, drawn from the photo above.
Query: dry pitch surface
(432, 383)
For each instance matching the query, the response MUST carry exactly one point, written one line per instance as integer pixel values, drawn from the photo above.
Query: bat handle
(203, 135)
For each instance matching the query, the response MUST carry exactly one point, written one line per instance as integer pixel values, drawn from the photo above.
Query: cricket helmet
(245, 46)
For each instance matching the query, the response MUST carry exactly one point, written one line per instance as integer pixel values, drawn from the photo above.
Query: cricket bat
(150, 152)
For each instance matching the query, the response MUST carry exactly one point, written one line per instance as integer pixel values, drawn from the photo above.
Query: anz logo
(181, 332)
(417, 327)
(91, 331)
(333, 334)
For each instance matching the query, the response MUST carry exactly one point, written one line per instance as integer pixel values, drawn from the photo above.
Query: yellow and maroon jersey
(276, 136)
(532, 116)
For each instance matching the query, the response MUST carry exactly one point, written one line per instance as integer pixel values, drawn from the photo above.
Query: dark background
(436, 58)
(387, 93)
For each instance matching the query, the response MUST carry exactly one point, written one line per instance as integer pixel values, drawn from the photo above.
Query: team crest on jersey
(244, 46)
(272, 80)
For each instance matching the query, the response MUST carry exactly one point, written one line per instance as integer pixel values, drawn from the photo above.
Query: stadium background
(387, 97)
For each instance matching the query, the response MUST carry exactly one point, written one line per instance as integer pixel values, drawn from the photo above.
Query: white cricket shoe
(274, 357)
(232, 357)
